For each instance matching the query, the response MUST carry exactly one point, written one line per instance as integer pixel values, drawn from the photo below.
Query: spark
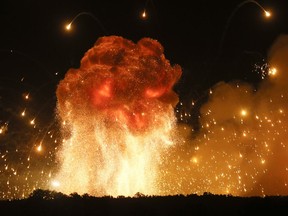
(32, 122)
(4, 128)
(69, 25)
(144, 14)
(27, 96)
(266, 13)
(244, 112)
(39, 147)
(272, 71)
(23, 112)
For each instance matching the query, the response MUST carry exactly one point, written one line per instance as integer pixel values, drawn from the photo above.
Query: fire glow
(118, 112)
(122, 136)
(122, 132)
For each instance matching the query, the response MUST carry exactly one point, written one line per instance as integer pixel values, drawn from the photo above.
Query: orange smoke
(122, 79)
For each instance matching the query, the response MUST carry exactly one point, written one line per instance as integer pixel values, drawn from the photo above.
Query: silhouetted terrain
(42, 202)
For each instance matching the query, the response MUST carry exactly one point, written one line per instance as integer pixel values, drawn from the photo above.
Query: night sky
(191, 35)
(209, 42)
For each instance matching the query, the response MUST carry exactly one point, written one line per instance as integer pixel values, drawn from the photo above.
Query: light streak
(69, 25)
(266, 13)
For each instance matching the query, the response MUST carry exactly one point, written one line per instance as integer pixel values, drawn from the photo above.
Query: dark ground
(53, 203)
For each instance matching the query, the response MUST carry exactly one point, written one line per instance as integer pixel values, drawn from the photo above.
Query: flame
(118, 109)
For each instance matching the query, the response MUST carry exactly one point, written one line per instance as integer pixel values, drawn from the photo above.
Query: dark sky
(190, 32)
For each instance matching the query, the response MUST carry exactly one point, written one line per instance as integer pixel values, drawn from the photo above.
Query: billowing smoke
(241, 148)
(117, 112)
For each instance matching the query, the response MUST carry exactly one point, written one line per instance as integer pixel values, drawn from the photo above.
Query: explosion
(117, 112)
(121, 135)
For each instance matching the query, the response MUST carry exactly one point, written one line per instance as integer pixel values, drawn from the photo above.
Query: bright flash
(144, 14)
(23, 113)
(32, 122)
(3, 128)
(272, 71)
(39, 148)
(55, 183)
(243, 112)
(68, 27)
(267, 14)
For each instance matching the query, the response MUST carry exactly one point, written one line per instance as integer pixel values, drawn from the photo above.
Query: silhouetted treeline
(45, 202)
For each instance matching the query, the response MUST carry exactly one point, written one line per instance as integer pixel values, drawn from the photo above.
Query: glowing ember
(118, 112)
(240, 154)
